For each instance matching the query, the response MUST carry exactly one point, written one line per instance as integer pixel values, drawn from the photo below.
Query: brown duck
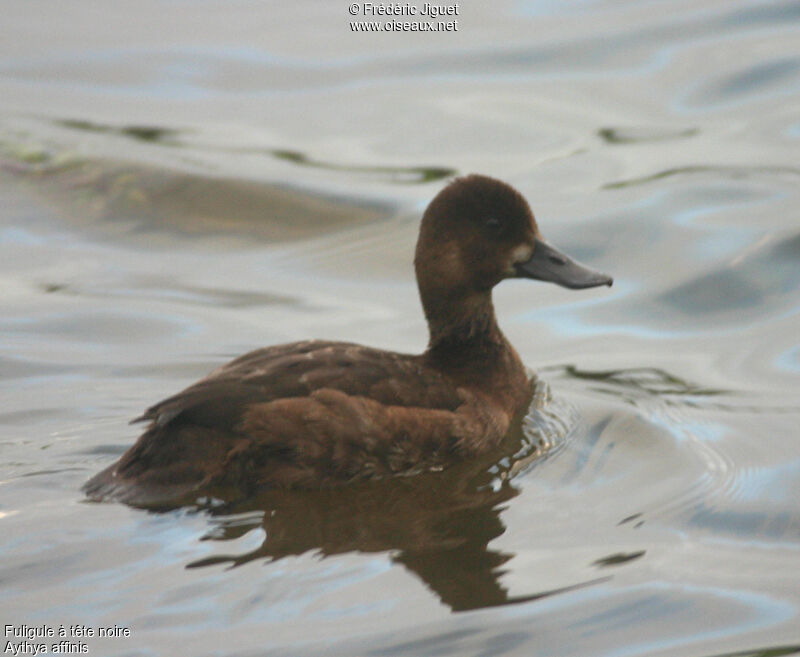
(316, 413)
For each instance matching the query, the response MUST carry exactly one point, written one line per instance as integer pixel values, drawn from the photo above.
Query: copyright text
(445, 17)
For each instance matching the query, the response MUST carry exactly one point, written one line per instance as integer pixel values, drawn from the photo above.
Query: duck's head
(478, 231)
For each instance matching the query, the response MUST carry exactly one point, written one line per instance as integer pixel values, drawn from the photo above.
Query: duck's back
(298, 370)
(302, 414)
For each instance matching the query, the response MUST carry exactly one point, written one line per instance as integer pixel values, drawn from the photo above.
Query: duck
(319, 413)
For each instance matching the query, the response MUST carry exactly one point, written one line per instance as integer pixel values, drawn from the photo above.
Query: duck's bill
(549, 264)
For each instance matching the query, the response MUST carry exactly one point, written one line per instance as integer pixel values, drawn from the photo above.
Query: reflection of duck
(437, 525)
(314, 413)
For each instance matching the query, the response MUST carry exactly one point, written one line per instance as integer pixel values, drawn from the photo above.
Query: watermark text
(404, 17)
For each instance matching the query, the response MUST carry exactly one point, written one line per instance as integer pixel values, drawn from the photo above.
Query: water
(182, 182)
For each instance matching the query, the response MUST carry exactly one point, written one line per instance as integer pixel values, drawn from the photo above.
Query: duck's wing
(298, 370)
(301, 415)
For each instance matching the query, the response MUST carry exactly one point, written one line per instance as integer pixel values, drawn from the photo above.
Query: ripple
(761, 80)
(415, 175)
(715, 170)
(753, 284)
(101, 329)
(718, 487)
(144, 133)
(763, 275)
(19, 368)
(637, 135)
(170, 137)
(619, 558)
(545, 429)
(645, 385)
(136, 200)
(765, 651)
(154, 288)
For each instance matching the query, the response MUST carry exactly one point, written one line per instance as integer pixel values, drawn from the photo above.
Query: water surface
(182, 182)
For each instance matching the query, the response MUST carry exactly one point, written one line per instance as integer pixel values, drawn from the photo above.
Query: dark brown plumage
(316, 413)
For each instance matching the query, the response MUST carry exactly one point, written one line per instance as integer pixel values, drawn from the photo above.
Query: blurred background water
(185, 181)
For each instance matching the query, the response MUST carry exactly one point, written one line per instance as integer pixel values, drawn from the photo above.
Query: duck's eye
(493, 223)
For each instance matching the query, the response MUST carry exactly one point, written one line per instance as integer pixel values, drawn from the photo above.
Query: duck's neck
(463, 327)
(467, 345)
